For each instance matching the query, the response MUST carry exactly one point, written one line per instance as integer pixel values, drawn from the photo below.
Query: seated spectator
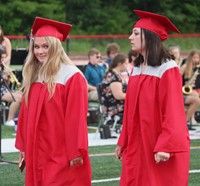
(192, 99)
(191, 74)
(113, 87)
(6, 96)
(5, 48)
(112, 50)
(14, 105)
(131, 58)
(192, 70)
(94, 73)
(176, 52)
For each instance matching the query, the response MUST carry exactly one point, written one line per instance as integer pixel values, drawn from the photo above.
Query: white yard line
(105, 180)
(194, 171)
(117, 179)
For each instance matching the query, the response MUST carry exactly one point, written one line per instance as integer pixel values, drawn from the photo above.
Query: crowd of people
(152, 88)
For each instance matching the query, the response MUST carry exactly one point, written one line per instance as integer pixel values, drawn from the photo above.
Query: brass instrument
(12, 78)
(187, 89)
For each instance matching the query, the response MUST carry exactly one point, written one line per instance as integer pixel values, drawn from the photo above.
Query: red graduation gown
(154, 121)
(53, 131)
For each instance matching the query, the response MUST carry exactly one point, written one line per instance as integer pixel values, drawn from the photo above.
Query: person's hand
(21, 155)
(21, 164)
(7, 73)
(118, 152)
(76, 162)
(161, 157)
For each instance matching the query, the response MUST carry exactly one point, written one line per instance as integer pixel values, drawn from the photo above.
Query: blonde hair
(33, 69)
(189, 66)
(93, 51)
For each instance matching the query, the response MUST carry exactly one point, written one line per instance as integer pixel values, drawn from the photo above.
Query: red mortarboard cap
(46, 27)
(156, 23)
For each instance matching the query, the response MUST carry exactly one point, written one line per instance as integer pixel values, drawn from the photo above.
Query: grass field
(105, 167)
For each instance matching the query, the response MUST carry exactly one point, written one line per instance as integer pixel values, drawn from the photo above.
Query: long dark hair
(156, 53)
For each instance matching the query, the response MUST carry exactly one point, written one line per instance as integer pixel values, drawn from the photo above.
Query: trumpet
(12, 77)
(187, 89)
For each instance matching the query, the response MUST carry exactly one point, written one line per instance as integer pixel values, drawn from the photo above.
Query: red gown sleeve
(174, 133)
(76, 116)
(21, 129)
(123, 138)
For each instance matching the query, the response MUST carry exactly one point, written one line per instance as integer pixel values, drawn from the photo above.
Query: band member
(52, 129)
(191, 73)
(5, 48)
(190, 95)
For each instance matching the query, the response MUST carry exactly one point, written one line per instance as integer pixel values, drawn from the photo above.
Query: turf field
(106, 168)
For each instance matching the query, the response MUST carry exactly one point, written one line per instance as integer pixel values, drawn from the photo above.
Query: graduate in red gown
(52, 130)
(154, 143)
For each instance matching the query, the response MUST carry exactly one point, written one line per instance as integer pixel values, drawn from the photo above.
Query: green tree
(185, 14)
(17, 16)
(96, 16)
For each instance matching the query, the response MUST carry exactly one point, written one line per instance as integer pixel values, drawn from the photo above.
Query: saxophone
(187, 89)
